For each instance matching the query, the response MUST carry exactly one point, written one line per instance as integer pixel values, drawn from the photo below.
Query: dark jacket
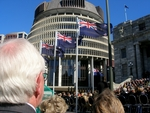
(16, 108)
(101, 86)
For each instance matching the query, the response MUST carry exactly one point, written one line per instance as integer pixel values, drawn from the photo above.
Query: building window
(25, 36)
(123, 53)
(142, 26)
(20, 35)
(147, 51)
(0, 37)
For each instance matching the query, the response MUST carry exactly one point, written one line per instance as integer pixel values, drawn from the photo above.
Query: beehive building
(61, 15)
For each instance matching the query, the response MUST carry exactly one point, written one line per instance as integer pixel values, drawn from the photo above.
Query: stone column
(138, 60)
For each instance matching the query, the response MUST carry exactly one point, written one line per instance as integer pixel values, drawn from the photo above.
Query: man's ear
(38, 82)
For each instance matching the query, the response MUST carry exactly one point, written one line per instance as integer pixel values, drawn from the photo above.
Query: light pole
(109, 47)
(130, 65)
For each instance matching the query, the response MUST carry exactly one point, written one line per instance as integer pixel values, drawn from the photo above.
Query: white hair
(20, 64)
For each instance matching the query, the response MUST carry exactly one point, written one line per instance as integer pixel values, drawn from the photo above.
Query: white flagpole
(125, 12)
(92, 75)
(78, 31)
(54, 62)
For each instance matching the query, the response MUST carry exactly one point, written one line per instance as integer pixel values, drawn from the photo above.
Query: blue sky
(18, 15)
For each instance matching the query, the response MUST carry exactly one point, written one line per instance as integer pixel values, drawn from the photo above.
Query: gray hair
(20, 64)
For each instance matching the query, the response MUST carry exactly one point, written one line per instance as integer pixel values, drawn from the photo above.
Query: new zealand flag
(93, 29)
(67, 41)
(49, 50)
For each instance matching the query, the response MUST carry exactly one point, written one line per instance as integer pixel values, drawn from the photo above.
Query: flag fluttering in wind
(49, 50)
(93, 29)
(126, 7)
(62, 43)
(67, 41)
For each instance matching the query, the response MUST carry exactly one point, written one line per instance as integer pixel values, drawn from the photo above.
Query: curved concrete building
(61, 15)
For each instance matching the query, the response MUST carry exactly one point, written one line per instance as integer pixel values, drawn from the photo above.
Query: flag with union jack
(93, 29)
(49, 50)
(67, 41)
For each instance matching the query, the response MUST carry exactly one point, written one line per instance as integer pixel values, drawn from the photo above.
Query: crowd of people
(135, 92)
(134, 86)
(87, 99)
(105, 102)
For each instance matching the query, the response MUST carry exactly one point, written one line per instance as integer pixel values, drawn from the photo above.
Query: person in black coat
(102, 85)
(16, 108)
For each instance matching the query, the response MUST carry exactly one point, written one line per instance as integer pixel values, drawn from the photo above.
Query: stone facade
(132, 45)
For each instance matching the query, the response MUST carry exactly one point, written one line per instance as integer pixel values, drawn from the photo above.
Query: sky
(18, 15)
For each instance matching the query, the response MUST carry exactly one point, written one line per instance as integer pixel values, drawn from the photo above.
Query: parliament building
(132, 49)
(61, 15)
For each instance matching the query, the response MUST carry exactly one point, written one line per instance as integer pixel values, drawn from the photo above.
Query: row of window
(124, 54)
(68, 72)
(49, 37)
(88, 52)
(13, 36)
(57, 19)
(77, 3)
(54, 27)
(84, 43)
(50, 20)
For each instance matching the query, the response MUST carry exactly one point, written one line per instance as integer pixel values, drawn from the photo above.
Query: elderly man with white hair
(21, 77)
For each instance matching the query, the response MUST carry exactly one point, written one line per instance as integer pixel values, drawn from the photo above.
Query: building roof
(56, 6)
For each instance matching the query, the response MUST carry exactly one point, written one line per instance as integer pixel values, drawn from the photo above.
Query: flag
(46, 59)
(93, 29)
(126, 7)
(79, 40)
(49, 50)
(103, 28)
(59, 51)
(97, 72)
(67, 41)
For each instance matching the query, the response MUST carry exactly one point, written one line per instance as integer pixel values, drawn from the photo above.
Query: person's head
(55, 104)
(21, 69)
(107, 102)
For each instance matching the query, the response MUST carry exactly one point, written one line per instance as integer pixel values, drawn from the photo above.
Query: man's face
(42, 87)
